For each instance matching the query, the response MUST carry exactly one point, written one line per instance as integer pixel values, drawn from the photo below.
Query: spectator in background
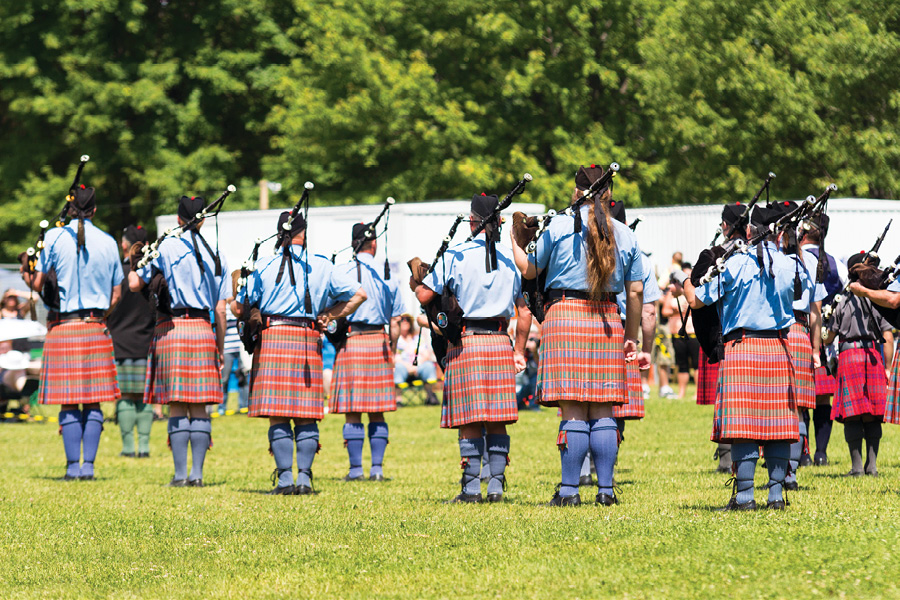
(663, 356)
(686, 347)
(14, 304)
(425, 369)
(526, 381)
(328, 354)
(233, 363)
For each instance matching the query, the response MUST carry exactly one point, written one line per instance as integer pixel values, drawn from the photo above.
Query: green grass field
(127, 536)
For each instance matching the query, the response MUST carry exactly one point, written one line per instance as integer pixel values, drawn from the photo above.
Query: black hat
(587, 175)
(484, 205)
(361, 233)
(83, 199)
(617, 210)
(761, 215)
(297, 225)
(731, 213)
(188, 207)
(821, 221)
(780, 209)
(135, 233)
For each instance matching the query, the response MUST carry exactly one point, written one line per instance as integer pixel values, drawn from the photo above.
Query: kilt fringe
(480, 382)
(286, 376)
(363, 379)
(77, 366)
(183, 363)
(862, 388)
(804, 373)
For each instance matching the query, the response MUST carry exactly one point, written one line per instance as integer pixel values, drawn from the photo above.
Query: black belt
(273, 320)
(802, 318)
(192, 313)
(556, 294)
(856, 344)
(485, 325)
(742, 333)
(365, 328)
(77, 315)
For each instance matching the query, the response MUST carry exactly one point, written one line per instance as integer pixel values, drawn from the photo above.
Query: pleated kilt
(183, 364)
(363, 379)
(77, 365)
(862, 387)
(892, 402)
(286, 378)
(804, 372)
(707, 380)
(755, 397)
(131, 373)
(826, 385)
(480, 382)
(581, 356)
(635, 407)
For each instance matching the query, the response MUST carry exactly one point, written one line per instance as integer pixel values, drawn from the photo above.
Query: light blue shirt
(480, 294)
(327, 286)
(751, 299)
(813, 290)
(652, 293)
(189, 286)
(563, 254)
(383, 297)
(894, 286)
(85, 278)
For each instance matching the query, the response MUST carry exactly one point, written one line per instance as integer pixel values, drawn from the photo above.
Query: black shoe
(806, 460)
(558, 500)
(791, 486)
(721, 469)
(286, 490)
(607, 499)
(304, 490)
(733, 504)
(195, 483)
(585, 480)
(466, 499)
(86, 478)
(853, 474)
(357, 478)
(143, 455)
(127, 454)
(70, 478)
(494, 498)
(378, 477)
(775, 505)
(820, 460)
(178, 482)
(872, 473)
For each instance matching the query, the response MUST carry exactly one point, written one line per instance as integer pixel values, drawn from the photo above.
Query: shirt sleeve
(895, 286)
(47, 258)
(225, 288)
(435, 279)
(399, 307)
(541, 256)
(636, 268)
(117, 274)
(342, 287)
(708, 293)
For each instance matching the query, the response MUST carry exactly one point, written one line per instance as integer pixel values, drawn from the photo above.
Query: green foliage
(697, 99)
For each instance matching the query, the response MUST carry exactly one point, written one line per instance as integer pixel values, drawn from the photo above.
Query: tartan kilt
(707, 380)
(635, 407)
(286, 378)
(77, 366)
(804, 373)
(183, 363)
(131, 373)
(862, 388)
(581, 355)
(363, 379)
(755, 396)
(892, 402)
(826, 385)
(480, 382)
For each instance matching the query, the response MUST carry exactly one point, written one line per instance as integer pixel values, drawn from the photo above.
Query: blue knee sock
(795, 452)
(93, 427)
(573, 442)
(604, 443)
(586, 466)
(201, 432)
(471, 451)
(498, 457)
(354, 435)
(72, 431)
(281, 441)
(744, 457)
(485, 460)
(777, 454)
(378, 441)
(179, 438)
(307, 437)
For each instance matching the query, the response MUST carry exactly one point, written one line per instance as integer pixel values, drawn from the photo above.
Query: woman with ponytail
(583, 261)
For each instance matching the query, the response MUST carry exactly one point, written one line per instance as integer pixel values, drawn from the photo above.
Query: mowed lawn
(125, 535)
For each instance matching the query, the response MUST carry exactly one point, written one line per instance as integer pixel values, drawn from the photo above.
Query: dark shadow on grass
(703, 508)
(71, 481)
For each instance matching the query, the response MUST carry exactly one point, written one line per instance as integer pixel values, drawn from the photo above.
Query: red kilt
(183, 363)
(707, 380)
(480, 382)
(635, 407)
(755, 397)
(861, 384)
(78, 366)
(286, 379)
(363, 380)
(826, 385)
(582, 356)
(892, 403)
(804, 375)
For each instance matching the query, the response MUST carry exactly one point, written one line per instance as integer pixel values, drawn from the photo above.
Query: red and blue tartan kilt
(707, 380)
(862, 387)
(363, 380)
(892, 402)
(826, 385)
(183, 365)
(635, 407)
(77, 366)
(582, 356)
(755, 396)
(286, 378)
(480, 382)
(804, 373)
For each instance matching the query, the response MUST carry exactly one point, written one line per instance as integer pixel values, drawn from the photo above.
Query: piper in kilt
(755, 405)
(186, 350)
(363, 379)
(479, 376)
(131, 326)
(862, 332)
(286, 379)
(583, 264)
(78, 370)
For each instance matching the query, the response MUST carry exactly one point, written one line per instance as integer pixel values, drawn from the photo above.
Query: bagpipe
(50, 290)
(528, 230)
(250, 323)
